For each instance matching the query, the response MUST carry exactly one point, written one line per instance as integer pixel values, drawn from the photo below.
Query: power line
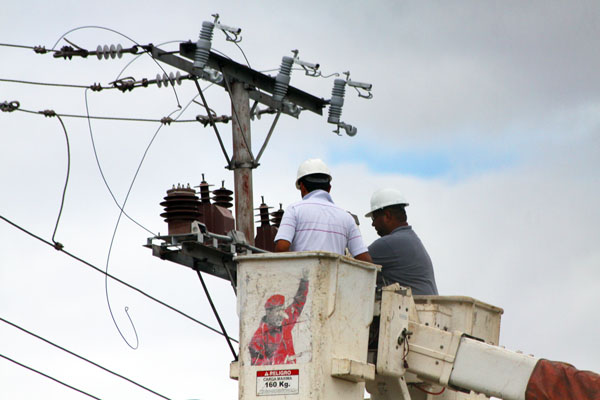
(47, 113)
(37, 49)
(54, 84)
(49, 377)
(162, 303)
(126, 37)
(81, 358)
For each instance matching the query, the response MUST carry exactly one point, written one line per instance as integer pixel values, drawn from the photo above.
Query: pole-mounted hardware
(310, 69)
(203, 46)
(282, 81)
(227, 30)
(337, 101)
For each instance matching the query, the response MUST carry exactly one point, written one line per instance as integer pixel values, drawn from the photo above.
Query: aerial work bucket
(304, 326)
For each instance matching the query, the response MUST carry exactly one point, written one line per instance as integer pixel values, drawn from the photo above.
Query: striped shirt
(317, 224)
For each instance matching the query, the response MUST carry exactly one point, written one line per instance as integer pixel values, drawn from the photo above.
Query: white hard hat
(312, 166)
(386, 197)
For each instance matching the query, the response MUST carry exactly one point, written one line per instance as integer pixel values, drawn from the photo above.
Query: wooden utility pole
(243, 161)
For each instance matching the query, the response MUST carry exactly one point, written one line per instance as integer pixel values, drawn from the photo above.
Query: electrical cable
(212, 305)
(164, 120)
(121, 213)
(38, 49)
(126, 37)
(52, 84)
(244, 54)
(115, 233)
(62, 202)
(49, 377)
(229, 39)
(112, 240)
(81, 358)
(114, 277)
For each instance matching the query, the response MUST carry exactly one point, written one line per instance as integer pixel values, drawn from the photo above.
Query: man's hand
(282, 246)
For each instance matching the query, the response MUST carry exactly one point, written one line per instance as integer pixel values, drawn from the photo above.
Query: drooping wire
(49, 377)
(162, 303)
(82, 358)
(122, 210)
(62, 202)
(212, 305)
(112, 240)
(126, 37)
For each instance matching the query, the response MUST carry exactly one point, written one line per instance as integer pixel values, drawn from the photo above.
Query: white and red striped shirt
(316, 224)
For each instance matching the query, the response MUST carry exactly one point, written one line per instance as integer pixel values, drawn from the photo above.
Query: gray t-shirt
(404, 260)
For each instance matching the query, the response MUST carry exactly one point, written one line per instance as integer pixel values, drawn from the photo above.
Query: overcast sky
(486, 114)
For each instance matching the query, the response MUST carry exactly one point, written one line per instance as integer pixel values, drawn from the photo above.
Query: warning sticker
(277, 382)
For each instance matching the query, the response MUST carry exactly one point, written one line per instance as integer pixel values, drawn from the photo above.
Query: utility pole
(242, 161)
(244, 84)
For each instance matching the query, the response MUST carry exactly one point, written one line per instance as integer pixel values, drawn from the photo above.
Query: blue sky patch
(450, 162)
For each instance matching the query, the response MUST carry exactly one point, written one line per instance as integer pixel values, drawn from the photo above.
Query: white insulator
(109, 52)
(164, 79)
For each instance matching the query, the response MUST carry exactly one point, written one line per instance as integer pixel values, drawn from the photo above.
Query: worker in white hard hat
(399, 251)
(315, 223)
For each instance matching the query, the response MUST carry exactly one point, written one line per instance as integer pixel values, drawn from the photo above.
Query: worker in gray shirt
(399, 250)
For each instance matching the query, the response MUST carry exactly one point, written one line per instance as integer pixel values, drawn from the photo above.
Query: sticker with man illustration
(273, 341)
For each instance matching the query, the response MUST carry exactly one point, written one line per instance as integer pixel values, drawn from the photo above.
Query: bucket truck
(312, 326)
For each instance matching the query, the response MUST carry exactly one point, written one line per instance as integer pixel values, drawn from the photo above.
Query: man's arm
(364, 257)
(282, 245)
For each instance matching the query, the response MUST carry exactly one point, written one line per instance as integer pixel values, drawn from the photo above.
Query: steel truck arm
(411, 354)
